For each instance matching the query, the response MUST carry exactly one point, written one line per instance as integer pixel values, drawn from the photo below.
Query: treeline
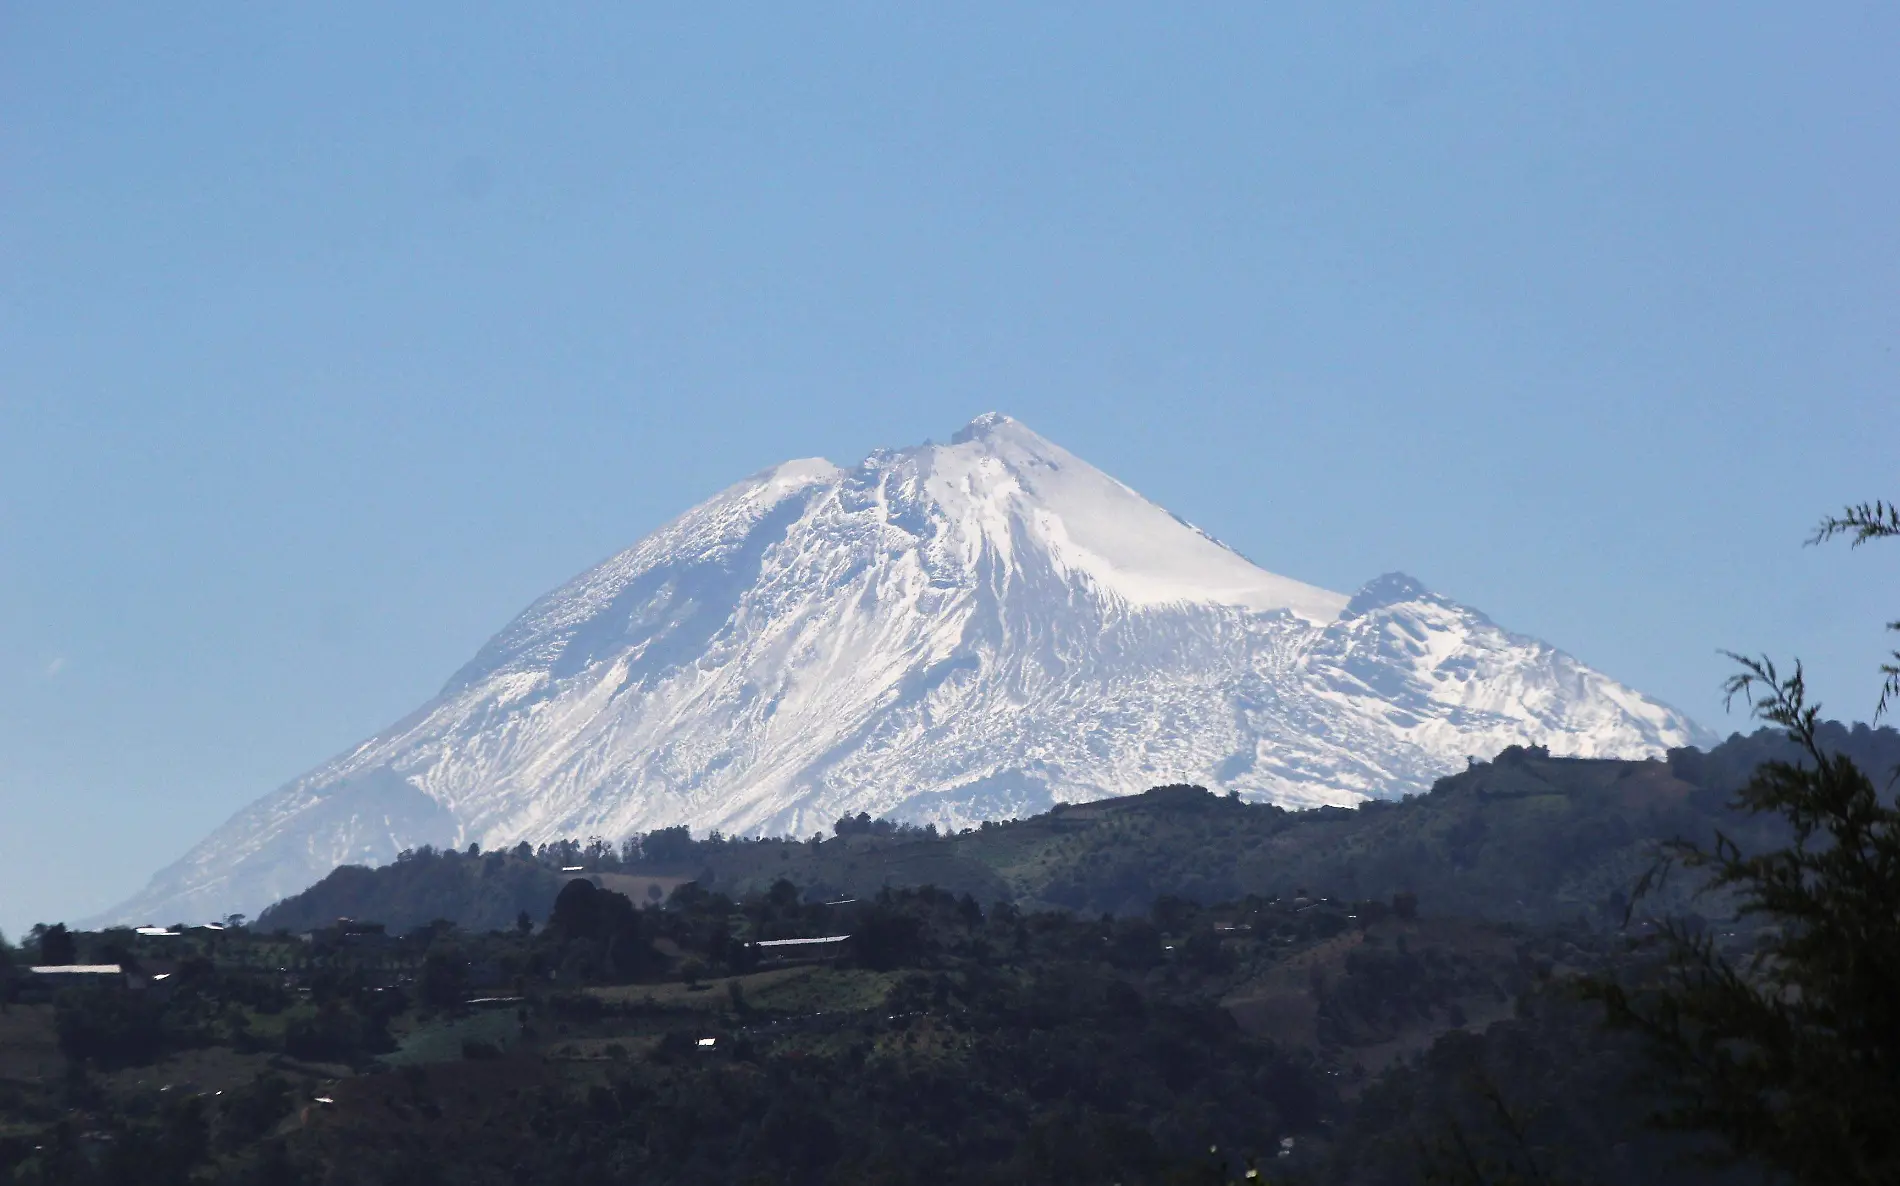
(484, 891)
(476, 890)
(1525, 837)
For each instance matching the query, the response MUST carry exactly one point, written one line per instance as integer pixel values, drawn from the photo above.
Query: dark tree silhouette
(1792, 1056)
(55, 944)
(604, 923)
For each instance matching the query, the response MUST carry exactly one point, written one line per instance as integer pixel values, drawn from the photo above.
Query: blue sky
(330, 337)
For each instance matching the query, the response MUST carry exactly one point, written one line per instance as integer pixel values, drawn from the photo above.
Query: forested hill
(478, 893)
(1360, 1034)
(1525, 837)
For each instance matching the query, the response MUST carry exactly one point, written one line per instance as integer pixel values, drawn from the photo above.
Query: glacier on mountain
(946, 633)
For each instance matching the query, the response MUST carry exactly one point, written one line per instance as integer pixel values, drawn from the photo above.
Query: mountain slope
(944, 633)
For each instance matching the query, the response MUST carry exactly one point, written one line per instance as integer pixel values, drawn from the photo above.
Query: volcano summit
(944, 633)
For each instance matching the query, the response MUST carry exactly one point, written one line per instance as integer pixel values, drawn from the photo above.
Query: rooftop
(797, 942)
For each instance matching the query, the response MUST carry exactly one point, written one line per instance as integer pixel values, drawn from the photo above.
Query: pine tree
(1869, 521)
(1793, 1056)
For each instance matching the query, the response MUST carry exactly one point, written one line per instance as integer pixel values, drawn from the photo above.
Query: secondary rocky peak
(1392, 588)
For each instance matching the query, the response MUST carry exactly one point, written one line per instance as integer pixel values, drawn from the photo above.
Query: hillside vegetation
(1523, 838)
(1168, 988)
(944, 1042)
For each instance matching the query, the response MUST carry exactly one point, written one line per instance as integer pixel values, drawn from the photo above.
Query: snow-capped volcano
(944, 633)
